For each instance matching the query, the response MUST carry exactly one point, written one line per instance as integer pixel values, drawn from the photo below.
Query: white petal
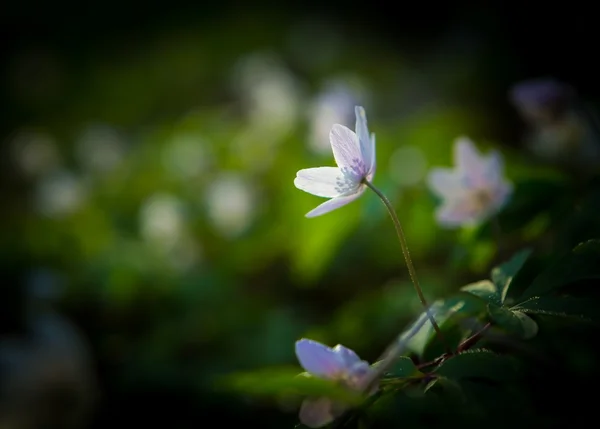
(493, 169)
(466, 156)
(500, 194)
(455, 214)
(334, 203)
(373, 159)
(321, 181)
(318, 359)
(445, 183)
(346, 152)
(366, 144)
(316, 413)
(348, 356)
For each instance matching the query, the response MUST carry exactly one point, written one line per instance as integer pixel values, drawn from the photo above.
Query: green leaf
(515, 322)
(478, 363)
(403, 367)
(561, 306)
(582, 263)
(287, 382)
(447, 389)
(484, 289)
(446, 312)
(503, 274)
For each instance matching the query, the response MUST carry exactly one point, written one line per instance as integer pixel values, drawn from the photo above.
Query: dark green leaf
(503, 275)
(484, 289)
(562, 306)
(402, 368)
(515, 322)
(446, 388)
(478, 363)
(446, 312)
(581, 263)
(287, 382)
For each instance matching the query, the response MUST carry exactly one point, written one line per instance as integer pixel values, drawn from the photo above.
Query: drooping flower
(354, 154)
(339, 364)
(474, 190)
(541, 101)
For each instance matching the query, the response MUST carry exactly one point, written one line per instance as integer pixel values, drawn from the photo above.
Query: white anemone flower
(338, 364)
(474, 190)
(354, 154)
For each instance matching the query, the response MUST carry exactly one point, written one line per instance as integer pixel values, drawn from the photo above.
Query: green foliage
(478, 364)
(403, 367)
(582, 263)
(285, 383)
(515, 322)
(448, 314)
(568, 307)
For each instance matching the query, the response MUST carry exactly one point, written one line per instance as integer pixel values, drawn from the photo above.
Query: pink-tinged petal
(316, 413)
(494, 166)
(373, 159)
(500, 194)
(318, 359)
(365, 142)
(321, 181)
(467, 158)
(349, 357)
(445, 183)
(456, 214)
(334, 203)
(346, 151)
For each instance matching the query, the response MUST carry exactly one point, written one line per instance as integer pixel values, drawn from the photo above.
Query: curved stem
(409, 264)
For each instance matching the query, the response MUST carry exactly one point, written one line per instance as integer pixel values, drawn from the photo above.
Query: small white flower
(338, 364)
(354, 154)
(474, 190)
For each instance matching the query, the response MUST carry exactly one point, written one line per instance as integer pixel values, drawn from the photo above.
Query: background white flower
(474, 190)
(354, 154)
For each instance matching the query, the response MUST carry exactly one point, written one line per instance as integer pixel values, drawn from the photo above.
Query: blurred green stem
(409, 264)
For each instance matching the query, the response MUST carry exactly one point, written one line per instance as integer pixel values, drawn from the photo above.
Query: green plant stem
(409, 264)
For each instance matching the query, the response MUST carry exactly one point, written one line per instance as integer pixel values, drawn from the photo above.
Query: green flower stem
(409, 264)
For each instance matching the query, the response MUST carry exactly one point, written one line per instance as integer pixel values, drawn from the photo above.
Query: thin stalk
(409, 264)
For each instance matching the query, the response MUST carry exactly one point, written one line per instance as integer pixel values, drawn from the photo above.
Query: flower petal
(373, 160)
(456, 214)
(367, 146)
(346, 151)
(349, 357)
(500, 194)
(316, 413)
(445, 183)
(318, 359)
(466, 156)
(321, 181)
(334, 203)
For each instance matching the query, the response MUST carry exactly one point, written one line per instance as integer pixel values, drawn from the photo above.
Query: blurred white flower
(100, 148)
(474, 190)
(60, 193)
(161, 219)
(35, 153)
(232, 203)
(270, 93)
(186, 156)
(334, 105)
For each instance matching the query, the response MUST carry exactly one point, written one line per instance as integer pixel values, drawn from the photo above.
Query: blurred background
(152, 238)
